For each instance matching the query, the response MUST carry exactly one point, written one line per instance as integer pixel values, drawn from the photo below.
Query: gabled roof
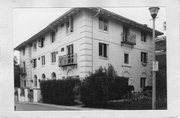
(73, 11)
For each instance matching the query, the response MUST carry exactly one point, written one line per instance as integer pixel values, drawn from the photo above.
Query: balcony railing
(68, 60)
(130, 39)
(22, 70)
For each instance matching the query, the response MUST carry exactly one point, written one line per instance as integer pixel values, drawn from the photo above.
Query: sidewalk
(76, 107)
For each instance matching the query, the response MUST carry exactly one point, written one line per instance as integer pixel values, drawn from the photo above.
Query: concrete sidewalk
(76, 107)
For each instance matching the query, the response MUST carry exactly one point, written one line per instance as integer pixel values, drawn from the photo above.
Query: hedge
(59, 91)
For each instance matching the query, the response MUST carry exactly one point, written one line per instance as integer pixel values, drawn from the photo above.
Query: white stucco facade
(85, 39)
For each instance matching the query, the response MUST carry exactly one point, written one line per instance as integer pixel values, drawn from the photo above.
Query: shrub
(94, 91)
(58, 91)
(118, 88)
(103, 85)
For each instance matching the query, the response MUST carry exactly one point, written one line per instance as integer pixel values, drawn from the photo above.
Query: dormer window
(103, 23)
(69, 25)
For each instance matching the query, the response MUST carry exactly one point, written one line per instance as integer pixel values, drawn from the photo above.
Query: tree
(16, 73)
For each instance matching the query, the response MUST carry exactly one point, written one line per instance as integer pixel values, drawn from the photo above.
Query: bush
(59, 91)
(103, 85)
(94, 91)
(118, 88)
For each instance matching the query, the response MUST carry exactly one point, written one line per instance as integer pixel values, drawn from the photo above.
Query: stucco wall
(81, 38)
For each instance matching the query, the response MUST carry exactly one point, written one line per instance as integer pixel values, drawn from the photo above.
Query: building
(82, 40)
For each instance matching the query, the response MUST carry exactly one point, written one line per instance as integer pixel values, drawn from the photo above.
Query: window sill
(105, 58)
(126, 65)
(104, 31)
(53, 63)
(142, 42)
(143, 64)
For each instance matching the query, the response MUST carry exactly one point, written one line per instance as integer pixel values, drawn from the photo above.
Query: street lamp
(154, 11)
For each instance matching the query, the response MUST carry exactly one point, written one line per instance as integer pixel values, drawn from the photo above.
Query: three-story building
(82, 40)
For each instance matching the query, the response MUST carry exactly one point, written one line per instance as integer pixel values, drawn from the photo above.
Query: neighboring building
(82, 40)
(161, 74)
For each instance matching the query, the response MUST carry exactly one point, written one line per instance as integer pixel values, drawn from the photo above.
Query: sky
(29, 21)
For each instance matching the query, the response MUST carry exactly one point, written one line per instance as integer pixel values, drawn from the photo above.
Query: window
(53, 57)
(103, 50)
(41, 42)
(125, 33)
(43, 60)
(143, 36)
(70, 51)
(24, 83)
(34, 63)
(43, 76)
(142, 82)
(35, 81)
(126, 58)
(24, 66)
(52, 37)
(103, 23)
(23, 51)
(69, 25)
(34, 45)
(53, 75)
(143, 57)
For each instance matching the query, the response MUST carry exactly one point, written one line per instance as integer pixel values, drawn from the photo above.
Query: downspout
(93, 35)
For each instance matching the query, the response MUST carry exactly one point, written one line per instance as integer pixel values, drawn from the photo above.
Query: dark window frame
(103, 50)
(126, 58)
(53, 34)
(53, 57)
(69, 25)
(143, 36)
(43, 60)
(103, 23)
(142, 82)
(144, 57)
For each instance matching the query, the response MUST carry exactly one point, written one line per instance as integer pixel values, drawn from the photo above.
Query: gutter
(99, 10)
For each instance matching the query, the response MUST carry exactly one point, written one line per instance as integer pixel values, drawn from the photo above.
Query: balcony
(68, 60)
(23, 71)
(130, 39)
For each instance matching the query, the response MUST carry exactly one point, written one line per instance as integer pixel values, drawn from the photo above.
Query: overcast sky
(29, 21)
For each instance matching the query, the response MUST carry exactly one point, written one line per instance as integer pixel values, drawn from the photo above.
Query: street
(20, 106)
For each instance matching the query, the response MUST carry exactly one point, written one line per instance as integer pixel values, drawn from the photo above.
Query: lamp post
(154, 11)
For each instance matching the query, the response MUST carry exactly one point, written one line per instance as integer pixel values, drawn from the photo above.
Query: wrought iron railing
(68, 60)
(129, 39)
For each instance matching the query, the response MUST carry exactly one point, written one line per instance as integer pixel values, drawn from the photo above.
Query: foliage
(103, 85)
(16, 74)
(59, 91)
(161, 78)
(118, 88)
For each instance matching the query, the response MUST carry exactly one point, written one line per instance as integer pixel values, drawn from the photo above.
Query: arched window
(53, 75)
(35, 80)
(43, 76)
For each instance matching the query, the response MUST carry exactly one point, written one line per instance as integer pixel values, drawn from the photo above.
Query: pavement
(31, 106)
